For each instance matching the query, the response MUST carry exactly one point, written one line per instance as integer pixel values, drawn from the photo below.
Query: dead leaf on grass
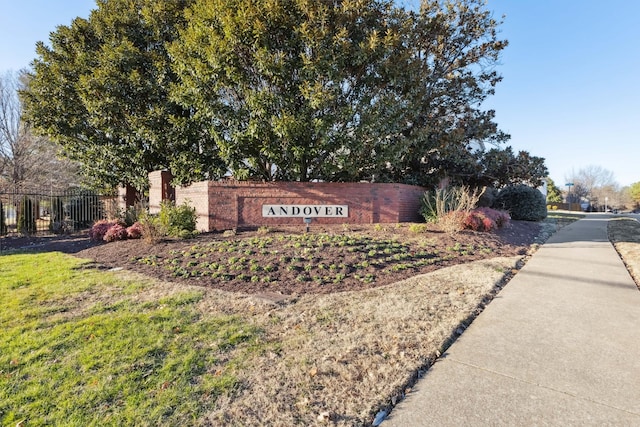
(324, 417)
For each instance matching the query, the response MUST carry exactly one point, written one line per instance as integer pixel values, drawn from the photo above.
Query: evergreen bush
(27, 216)
(522, 202)
(178, 221)
(3, 222)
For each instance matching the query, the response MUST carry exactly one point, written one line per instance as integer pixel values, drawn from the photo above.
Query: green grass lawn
(84, 347)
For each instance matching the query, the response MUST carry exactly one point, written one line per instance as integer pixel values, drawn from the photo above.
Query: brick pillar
(160, 189)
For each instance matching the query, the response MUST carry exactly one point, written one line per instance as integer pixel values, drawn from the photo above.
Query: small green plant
(418, 228)
(263, 230)
(339, 278)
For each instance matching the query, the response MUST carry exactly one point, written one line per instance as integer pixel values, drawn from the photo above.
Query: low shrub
(417, 228)
(522, 202)
(485, 219)
(499, 217)
(116, 232)
(108, 231)
(151, 229)
(263, 230)
(134, 231)
(453, 221)
(178, 221)
(174, 221)
(99, 229)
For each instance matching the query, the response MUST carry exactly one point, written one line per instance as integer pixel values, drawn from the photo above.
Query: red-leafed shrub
(501, 218)
(115, 232)
(99, 229)
(134, 231)
(473, 221)
(485, 219)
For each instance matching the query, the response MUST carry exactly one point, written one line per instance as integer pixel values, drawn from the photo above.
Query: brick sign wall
(222, 205)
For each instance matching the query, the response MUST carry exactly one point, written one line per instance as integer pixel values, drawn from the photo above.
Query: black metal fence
(41, 212)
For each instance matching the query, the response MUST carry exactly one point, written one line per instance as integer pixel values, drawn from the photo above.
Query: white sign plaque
(305, 211)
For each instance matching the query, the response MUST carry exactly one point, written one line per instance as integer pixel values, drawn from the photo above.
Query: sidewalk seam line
(542, 386)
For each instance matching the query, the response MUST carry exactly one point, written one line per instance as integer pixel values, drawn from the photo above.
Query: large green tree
(101, 90)
(274, 89)
(350, 90)
(284, 83)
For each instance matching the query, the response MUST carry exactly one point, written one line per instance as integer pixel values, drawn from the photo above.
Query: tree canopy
(278, 90)
(101, 90)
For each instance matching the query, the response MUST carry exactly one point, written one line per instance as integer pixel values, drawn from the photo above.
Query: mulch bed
(515, 239)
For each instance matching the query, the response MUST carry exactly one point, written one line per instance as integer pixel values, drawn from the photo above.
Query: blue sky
(570, 91)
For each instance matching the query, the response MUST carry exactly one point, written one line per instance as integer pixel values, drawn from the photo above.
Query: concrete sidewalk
(559, 346)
